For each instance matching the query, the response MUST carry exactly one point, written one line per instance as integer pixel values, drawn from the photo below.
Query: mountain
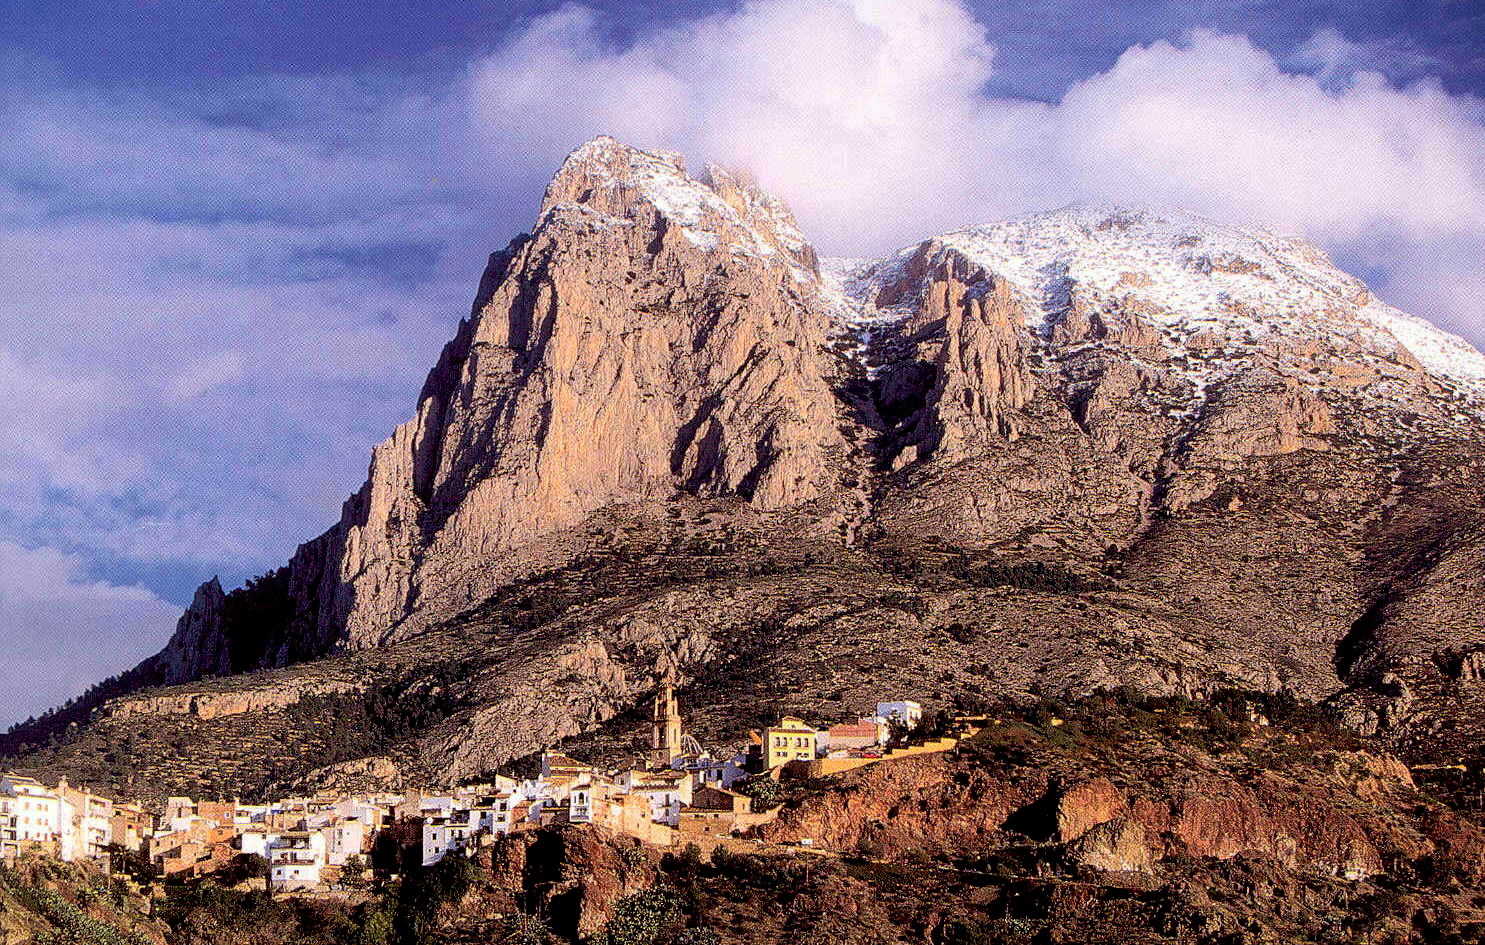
(1097, 448)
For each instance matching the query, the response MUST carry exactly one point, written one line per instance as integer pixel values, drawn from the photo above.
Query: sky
(234, 235)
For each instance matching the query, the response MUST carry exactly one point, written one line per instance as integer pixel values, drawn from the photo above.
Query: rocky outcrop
(361, 776)
(222, 703)
(573, 876)
(912, 804)
(199, 647)
(1114, 846)
(1085, 805)
(982, 379)
(945, 806)
(653, 336)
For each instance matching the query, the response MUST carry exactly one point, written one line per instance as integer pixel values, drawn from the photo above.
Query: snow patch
(1197, 275)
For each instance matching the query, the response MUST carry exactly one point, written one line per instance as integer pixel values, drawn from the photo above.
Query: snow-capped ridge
(1190, 274)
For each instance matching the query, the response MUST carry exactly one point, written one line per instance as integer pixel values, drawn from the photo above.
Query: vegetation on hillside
(46, 902)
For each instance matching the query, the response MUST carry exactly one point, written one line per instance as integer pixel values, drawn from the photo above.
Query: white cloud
(1334, 58)
(150, 340)
(1215, 124)
(863, 114)
(869, 117)
(208, 373)
(64, 631)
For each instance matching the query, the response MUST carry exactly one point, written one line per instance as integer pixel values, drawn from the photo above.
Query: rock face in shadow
(572, 876)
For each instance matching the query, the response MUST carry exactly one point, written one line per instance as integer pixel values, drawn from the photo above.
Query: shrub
(425, 891)
(641, 919)
(687, 863)
(1030, 576)
(528, 930)
(377, 927)
(765, 792)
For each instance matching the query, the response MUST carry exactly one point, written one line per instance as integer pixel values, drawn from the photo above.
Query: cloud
(871, 119)
(173, 268)
(1216, 124)
(208, 373)
(864, 115)
(1333, 58)
(64, 631)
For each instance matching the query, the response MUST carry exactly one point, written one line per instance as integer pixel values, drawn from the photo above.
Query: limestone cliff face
(653, 336)
(1073, 380)
(199, 647)
(981, 380)
(996, 448)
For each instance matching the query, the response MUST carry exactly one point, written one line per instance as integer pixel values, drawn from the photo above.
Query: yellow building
(790, 740)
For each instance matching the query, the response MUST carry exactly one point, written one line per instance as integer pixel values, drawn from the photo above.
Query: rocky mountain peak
(1193, 277)
(724, 211)
(199, 646)
(654, 336)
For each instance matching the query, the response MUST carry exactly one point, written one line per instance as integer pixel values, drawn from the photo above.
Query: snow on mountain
(720, 210)
(1191, 274)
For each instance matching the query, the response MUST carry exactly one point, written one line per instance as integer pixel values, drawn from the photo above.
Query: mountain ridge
(1086, 449)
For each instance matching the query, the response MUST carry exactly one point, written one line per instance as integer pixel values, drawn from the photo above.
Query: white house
(344, 839)
(92, 821)
(438, 806)
(665, 804)
(707, 771)
(253, 840)
(466, 819)
(909, 713)
(444, 835)
(179, 815)
(580, 804)
(666, 791)
(296, 860)
(249, 814)
(362, 809)
(32, 814)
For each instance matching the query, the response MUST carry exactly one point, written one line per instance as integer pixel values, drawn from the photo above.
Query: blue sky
(233, 235)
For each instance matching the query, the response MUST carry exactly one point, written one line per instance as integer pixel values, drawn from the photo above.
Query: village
(322, 844)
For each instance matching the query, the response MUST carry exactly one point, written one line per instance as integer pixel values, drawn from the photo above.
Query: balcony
(295, 859)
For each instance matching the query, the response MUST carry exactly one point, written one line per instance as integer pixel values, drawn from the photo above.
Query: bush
(686, 864)
(377, 927)
(1030, 576)
(354, 871)
(765, 791)
(774, 873)
(527, 930)
(642, 919)
(425, 891)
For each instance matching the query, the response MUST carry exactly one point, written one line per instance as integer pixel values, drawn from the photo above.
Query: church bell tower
(665, 727)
